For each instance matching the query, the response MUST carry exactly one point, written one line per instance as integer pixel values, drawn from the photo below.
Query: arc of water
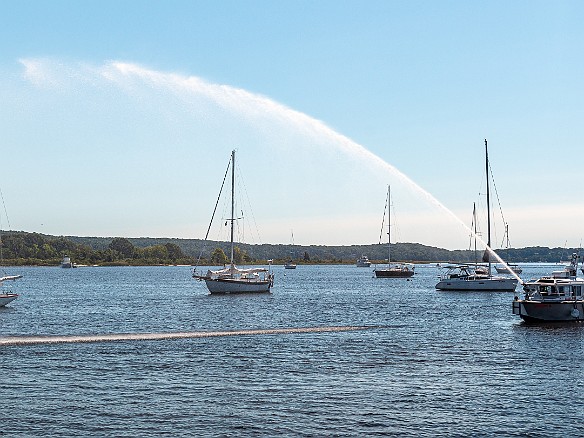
(238, 99)
(249, 104)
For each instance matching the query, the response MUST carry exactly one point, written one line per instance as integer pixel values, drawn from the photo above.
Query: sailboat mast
(488, 207)
(388, 226)
(232, 199)
(474, 220)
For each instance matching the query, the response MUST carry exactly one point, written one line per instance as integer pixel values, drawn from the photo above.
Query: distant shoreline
(35, 249)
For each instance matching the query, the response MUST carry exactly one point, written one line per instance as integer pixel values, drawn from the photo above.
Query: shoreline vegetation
(20, 248)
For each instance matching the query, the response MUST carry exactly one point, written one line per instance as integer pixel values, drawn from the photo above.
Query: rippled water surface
(430, 364)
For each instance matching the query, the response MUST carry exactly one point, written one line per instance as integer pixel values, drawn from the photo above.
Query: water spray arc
(241, 101)
(127, 76)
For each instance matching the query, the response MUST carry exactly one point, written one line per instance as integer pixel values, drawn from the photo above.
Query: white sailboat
(290, 263)
(502, 269)
(6, 296)
(395, 270)
(465, 277)
(233, 280)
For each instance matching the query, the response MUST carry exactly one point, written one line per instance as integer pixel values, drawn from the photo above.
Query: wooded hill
(20, 248)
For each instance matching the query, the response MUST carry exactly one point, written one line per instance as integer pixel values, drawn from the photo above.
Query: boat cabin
(551, 288)
(468, 272)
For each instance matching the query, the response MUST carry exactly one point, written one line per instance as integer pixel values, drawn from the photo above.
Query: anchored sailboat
(6, 296)
(467, 278)
(510, 267)
(290, 263)
(233, 280)
(395, 270)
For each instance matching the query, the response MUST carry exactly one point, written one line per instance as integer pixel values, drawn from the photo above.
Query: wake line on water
(113, 337)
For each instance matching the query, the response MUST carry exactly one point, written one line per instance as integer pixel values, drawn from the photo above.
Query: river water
(428, 363)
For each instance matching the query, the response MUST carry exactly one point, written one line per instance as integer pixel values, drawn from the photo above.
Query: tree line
(22, 248)
(36, 249)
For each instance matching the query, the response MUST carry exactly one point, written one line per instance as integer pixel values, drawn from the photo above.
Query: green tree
(240, 256)
(107, 255)
(156, 252)
(63, 245)
(82, 253)
(218, 257)
(48, 251)
(306, 256)
(31, 239)
(123, 246)
(174, 252)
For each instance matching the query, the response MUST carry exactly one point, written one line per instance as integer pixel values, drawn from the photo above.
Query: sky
(118, 118)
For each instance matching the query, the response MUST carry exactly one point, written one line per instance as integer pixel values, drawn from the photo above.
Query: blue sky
(118, 117)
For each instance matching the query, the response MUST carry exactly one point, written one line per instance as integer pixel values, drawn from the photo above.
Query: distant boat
(466, 277)
(510, 268)
(66, 263)
(501, 269)
(555, 298)
(363, 262)
(395, 270)
(290, 263)
(232, 280)
(7, 297)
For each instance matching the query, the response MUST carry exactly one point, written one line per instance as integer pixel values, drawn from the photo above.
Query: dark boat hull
(542, 311)
(393, 273)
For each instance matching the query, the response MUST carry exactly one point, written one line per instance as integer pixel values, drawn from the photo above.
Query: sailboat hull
(393, 273)
(7, 298)
(508, 270)
(229, 286)
(486, 284)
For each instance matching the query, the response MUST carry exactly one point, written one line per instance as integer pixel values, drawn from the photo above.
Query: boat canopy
(234, 271)
(462, 267)
(10, 277)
